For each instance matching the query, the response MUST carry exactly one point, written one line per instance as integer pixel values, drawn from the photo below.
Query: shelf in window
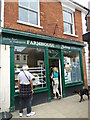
(38, 83)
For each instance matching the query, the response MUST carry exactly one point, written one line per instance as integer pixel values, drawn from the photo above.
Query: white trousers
(55, 88)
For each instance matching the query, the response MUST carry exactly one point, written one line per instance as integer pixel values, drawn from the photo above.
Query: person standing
(51, 80)
(54, 76)
(25, 87)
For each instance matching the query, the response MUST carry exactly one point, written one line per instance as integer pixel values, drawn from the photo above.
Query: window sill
(73, 84)
(25, 23)
(35, 91)
(70, 34)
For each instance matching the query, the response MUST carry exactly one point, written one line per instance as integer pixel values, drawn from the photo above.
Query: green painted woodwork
(21, 39)
(38, 37)
(47, 73)
(73, 84)
(62, 74)
(39, 90)
(12, 79)
(81, 66)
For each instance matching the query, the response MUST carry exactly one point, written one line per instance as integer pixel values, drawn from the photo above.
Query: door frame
(60, 69)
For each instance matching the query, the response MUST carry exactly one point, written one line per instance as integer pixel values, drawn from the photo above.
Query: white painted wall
(83, 23)
(0, 77)
(4, 78)
(2, 13)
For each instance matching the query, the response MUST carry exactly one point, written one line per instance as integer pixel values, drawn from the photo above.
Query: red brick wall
(50, 15)
(84, 67)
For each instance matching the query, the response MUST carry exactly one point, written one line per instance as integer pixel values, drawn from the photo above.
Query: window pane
(23, 15)
(67, 16)
(33, 18)
(34, 58)
(72, 66)
(24, 3)
(34, 5)
(67, 28)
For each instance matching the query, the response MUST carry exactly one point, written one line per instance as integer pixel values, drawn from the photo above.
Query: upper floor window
(68, 21)
(29, 11)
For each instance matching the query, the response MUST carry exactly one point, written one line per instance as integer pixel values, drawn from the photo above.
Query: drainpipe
(87, 19)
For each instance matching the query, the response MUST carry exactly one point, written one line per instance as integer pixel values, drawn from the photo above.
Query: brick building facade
(51, 37)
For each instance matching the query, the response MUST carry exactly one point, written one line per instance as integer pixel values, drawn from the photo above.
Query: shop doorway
(55, 63)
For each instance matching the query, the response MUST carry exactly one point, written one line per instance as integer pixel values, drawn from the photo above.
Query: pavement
(68, 107)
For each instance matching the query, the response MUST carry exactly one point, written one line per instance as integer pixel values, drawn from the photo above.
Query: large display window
(34, 58)
(72, 72)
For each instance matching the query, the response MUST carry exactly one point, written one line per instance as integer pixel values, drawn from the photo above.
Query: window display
(72, 70)
(34, 58)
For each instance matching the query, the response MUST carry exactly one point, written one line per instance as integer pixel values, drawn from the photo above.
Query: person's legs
(28, 101)
(21, 105)
(29, 112)
(57, 90)
(54, 90)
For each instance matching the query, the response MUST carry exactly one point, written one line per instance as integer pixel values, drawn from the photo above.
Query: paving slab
(68, 107)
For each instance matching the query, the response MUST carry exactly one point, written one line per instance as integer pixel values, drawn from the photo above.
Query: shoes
(59, 97)
(20, 114)
(55, 97)
(30, 114)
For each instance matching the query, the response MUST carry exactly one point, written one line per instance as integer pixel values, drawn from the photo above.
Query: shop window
(72, 72)
(35, 60)
(29, 11)
(68, 21)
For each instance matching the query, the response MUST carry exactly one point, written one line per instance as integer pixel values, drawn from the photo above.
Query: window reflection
(53, 53)
(72, 67)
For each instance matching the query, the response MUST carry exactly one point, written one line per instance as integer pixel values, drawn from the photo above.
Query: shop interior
(34, 58)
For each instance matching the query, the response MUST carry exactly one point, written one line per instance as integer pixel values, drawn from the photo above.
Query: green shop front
(41, 54)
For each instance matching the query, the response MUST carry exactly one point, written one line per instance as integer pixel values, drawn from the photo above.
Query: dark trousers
(22, 101)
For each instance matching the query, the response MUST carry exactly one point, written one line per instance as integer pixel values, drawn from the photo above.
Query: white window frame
(38, 12)
(70, 10)
(72, 23)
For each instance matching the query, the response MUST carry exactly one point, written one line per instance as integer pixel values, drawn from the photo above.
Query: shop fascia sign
(44, 44)
(69, 48)
(30, 42)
